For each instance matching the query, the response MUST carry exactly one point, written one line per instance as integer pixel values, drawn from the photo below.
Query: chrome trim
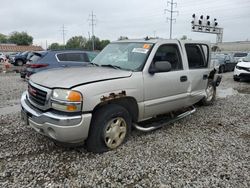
(64, 102)
(47, 102)
(147, 129)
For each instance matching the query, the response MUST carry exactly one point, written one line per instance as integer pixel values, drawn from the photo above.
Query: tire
(110, 128)
(19, 63)
(237, 79)
(211, 93)
(221, 69)
(1, 60)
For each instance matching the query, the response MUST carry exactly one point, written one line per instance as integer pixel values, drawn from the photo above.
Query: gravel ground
(210, 148)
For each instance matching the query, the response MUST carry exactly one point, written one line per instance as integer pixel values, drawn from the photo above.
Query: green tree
(20, 38)
(76, 42)
(3, 38)
(99, 44)
(104, 43)
(56, 46)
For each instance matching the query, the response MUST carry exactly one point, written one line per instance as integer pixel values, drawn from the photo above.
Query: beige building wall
(235, 46)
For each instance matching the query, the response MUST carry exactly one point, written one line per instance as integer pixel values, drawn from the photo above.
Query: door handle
(64, 65)
(183, 78)
(205, 76)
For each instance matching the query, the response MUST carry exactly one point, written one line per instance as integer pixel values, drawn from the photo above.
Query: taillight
(36, 65)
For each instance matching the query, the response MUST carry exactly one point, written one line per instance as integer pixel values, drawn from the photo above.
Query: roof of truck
(156, 40)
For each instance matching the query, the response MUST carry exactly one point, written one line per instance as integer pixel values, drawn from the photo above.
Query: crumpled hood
(70, 77)
(244, 64)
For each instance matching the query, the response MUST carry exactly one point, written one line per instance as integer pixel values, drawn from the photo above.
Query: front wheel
(109, 128)
(237, 79)
(210, 94)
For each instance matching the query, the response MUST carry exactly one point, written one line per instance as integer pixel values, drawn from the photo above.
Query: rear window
(197, 55)
(35, 57)
(240, 54)
(76, 57)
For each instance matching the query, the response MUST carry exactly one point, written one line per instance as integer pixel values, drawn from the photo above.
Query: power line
(63, 33)
(171, 19)
(92, 21)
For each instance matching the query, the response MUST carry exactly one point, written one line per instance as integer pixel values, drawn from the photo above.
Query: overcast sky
(43, 19)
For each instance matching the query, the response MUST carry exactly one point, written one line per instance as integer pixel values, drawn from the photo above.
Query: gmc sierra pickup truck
(131, 83)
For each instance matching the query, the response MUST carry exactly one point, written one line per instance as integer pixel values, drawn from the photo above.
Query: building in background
(13, 48)
(237, 46)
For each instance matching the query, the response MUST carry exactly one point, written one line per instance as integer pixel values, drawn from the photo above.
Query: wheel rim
(20, 63)
(210, 92)
(115, 132)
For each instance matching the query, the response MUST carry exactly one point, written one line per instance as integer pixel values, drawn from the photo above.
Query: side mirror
(160, 66)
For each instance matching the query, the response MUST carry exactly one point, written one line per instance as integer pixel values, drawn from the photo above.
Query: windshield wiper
(112, 66)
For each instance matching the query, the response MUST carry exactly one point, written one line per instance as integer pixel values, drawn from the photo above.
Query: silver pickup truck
(143, 84)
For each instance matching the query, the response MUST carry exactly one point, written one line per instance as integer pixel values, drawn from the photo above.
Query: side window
(62, 57)
(197, 55)
(170, 53)
(78, 57)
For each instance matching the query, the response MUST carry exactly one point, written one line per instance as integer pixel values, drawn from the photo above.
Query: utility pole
(171, 19)
(92, 20)
(63, 33)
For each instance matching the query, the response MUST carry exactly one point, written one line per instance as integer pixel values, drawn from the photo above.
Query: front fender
(98, 92)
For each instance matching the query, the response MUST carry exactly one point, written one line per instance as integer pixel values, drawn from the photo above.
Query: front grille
(36, 95)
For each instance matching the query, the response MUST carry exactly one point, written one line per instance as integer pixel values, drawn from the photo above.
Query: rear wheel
(19, 62)
(210, 94)
(109, 128)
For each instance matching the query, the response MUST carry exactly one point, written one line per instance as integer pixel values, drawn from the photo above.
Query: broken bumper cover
(62, 128)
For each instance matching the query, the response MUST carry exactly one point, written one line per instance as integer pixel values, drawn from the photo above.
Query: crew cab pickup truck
(129, 84)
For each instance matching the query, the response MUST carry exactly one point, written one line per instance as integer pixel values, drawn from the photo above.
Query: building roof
(17, 48)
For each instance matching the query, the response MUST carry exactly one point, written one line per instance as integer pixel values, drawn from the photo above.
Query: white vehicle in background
(2, 57)
(242, 69)
(239, 56)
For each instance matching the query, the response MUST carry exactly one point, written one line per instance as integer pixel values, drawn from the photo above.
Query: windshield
(247, 59)
(218, 56)
(127, 56)
(240, 54)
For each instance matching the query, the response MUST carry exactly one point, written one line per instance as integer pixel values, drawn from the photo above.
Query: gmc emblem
(32, 91)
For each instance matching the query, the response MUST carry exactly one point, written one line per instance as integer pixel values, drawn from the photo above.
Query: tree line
(81, 43)
(19, 38)
(76, 42)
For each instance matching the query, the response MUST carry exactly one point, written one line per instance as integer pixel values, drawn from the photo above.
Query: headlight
(66, 100)
(237, 67)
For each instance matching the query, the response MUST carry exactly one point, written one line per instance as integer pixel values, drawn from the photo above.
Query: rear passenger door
(70, 59)
(198, 57)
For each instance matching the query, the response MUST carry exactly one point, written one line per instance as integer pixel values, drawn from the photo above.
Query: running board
(166, 122)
